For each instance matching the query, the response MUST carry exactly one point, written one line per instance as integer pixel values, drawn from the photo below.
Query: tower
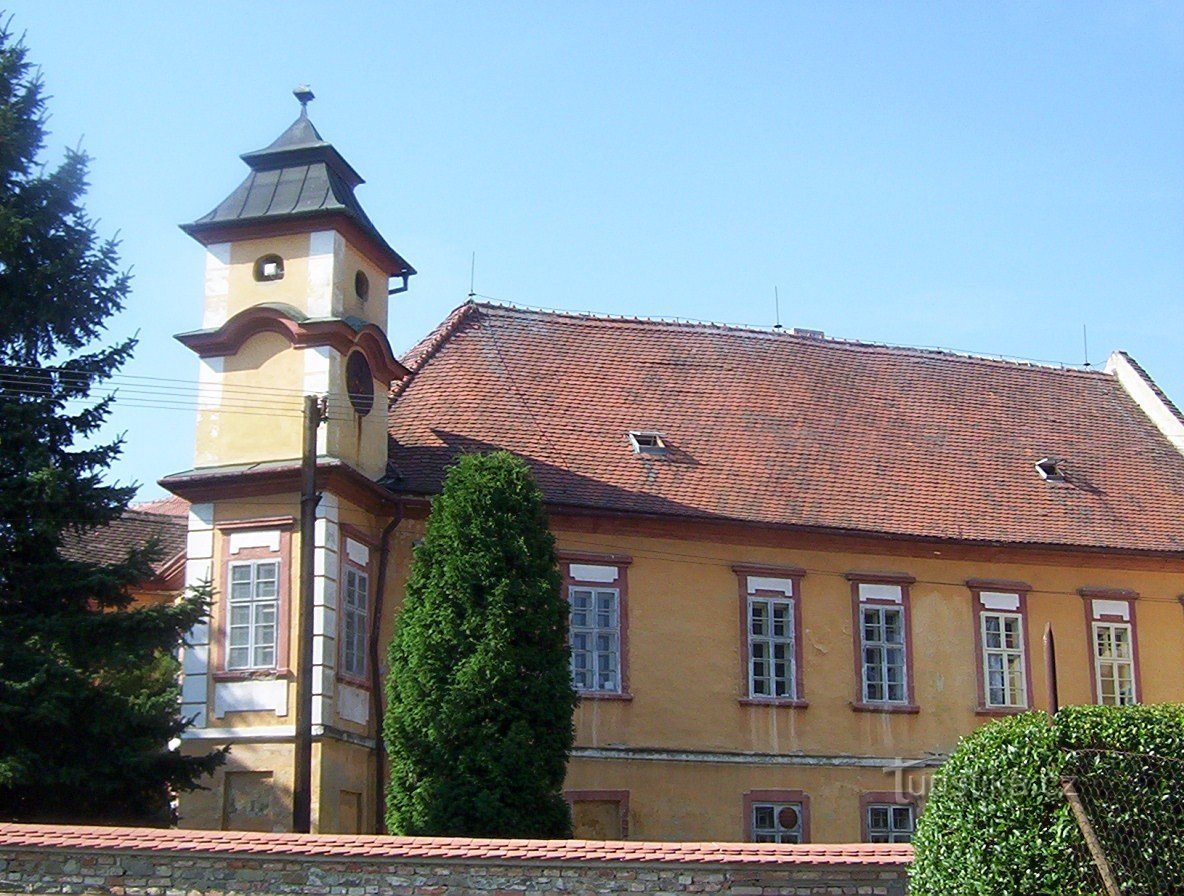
(297, 281)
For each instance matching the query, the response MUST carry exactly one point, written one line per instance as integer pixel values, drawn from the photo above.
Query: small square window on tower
(644, 442)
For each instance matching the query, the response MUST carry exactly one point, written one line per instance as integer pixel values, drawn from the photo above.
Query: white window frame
(358, 616)
(883, 647)
(892, 833)
(777, 833)
(1115, 663)
(599, 643)
(256, 606)
(770, 641)
(1005, 652)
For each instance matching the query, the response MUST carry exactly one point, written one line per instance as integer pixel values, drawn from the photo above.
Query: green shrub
(479, 725)
(997, 821)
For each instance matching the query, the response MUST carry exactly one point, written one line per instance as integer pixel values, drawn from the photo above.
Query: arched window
(362, 286)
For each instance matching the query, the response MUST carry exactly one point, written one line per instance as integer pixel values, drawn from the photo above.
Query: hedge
(997, 821)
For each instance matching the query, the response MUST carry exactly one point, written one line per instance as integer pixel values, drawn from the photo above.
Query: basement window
(1051, 469)
(268, 268)
(647, 443)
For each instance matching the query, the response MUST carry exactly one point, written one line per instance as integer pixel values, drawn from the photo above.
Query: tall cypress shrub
(480, 700)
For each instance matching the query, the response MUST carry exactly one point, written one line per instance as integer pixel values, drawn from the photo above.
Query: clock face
(359, 383)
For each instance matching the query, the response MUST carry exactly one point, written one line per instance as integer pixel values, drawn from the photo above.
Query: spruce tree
(88, 696)
(480, 700)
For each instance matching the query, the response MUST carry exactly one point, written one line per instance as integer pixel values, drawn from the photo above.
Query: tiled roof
(780, 429)
(111, 543)
(20, 836)
(170, 506)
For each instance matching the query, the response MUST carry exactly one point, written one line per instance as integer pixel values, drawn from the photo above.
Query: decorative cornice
(370, 340)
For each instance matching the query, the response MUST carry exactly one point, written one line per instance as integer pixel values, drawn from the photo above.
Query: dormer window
(268, 268)
(1051, 469)
(647, 443)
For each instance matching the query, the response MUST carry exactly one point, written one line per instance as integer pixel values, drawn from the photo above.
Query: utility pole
(314, 415)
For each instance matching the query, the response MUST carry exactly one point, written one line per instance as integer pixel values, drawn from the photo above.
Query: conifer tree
(88, 697)
(479, 723)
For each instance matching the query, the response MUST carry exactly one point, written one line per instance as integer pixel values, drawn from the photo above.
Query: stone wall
(39, 859)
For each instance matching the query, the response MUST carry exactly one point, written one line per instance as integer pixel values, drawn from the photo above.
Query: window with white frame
(771, 660)
(355, 616)
(883, 643)
(890, 823)
(595, 633)
(1004, 673)
(254, 610)
(777, 822)
(1114, 663)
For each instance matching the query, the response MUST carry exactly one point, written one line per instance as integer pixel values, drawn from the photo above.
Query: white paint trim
(881, 591)
(1138, 388)
(244, 696)
(998, 600)
(353, 704)
(261, 732)
(1111, 608)
(357, 552)
(321, 250)
(209, 383)
(767, 583)
(888, 763)
(589, 572)
(257, 538)
(215, 311)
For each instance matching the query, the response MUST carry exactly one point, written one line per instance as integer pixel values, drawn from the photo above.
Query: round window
(787, 817)
(359, 382)
(362, 286)
(269, 267)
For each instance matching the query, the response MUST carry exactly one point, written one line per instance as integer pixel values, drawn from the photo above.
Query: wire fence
(1129, 809)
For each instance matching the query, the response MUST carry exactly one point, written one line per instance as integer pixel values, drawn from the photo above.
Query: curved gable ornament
(301, 332)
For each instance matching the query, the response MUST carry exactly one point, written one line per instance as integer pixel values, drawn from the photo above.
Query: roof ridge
(782, 334)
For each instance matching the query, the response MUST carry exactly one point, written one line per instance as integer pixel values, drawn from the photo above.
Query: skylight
(647, 442)
(1051, 469)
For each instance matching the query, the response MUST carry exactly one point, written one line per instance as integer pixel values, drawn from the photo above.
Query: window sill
(353, 681)
(774, 701)
(1000, 711)
(905, 708)
(250, 674)
(604, 695)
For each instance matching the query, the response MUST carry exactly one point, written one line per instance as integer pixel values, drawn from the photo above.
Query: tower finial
(305, 95)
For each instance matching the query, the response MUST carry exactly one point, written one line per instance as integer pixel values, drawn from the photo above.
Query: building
(800, 568)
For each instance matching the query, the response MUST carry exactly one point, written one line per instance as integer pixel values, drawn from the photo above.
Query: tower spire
(305, 95)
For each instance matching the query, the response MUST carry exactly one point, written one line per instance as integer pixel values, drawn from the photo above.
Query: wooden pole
(1050, 669)
(302, 770)
(1091, 838)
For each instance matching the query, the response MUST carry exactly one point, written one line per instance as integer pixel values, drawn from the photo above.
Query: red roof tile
(774, 428)
(69, 837)
(111, 543)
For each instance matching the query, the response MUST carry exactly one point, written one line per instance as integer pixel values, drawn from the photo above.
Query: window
(771, 647)
(361, 286)
(889, 823)
(1001, 632)
(1114, 663)
(1003, 659)
(883, 665)
(268, 268)
(770, 622)
(254, 612)
(596, 595)
(354, 622)
(595, 638)
(647, 442)
(1113, 645)
(777, 816)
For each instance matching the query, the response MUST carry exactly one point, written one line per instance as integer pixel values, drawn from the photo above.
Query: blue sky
(980, 176)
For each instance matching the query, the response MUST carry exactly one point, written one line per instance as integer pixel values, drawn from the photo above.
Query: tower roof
(296, 180)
